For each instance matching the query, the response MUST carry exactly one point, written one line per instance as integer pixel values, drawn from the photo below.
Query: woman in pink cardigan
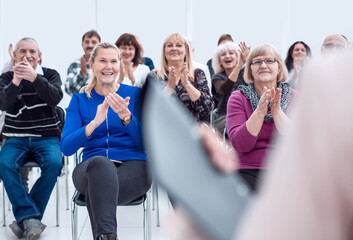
(256, 112)
(308, 193)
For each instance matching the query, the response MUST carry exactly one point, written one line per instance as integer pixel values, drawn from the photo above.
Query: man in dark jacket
(29, 95)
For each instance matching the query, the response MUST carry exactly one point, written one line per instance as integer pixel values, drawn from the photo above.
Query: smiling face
(174, 50)
(299, 51)
(264, 73)
(29, 50)
(106, 65)
(228, 59)
(127, 52)
(88, 44)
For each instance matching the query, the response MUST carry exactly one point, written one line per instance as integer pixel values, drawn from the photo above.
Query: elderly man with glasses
(333, 43)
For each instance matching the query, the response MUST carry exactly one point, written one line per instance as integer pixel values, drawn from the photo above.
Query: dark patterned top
(202, 106)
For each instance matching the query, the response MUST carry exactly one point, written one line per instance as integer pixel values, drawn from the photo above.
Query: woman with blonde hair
(179, 78)
(256, 112)
(105, 120)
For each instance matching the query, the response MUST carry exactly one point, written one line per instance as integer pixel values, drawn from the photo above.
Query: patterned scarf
(254, 98)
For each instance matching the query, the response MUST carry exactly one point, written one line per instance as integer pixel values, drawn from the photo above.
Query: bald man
(333, 43)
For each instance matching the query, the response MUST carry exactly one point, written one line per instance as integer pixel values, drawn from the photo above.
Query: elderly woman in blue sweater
(105, 120)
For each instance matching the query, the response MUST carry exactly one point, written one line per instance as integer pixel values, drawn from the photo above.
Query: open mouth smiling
(107, 74)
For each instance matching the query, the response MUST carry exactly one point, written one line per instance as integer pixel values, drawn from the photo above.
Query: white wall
(58, 25)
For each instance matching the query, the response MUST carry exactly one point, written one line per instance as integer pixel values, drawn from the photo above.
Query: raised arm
(280, 118)
(48, 87)
(224, 84)
(75, 81)
(243, 128)
(202, 101)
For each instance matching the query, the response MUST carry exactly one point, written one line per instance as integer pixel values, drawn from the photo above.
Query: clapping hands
(272, 96)
(118, 104)
(83, 66)
(127, 68)
(23, 70)
(173, 80)
(184, 75)
(244, 53)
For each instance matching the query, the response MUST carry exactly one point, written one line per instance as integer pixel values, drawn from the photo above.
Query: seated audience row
(105, 117)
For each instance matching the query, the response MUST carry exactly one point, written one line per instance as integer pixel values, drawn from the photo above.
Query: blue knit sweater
(111, 139)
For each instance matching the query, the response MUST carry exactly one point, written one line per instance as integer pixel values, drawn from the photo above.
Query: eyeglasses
(331, 46)
(267, 61)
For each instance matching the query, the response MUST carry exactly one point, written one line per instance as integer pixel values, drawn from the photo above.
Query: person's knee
(53, 163)
(99, 161)
(57, 164)
(6, 164)
(100, 164)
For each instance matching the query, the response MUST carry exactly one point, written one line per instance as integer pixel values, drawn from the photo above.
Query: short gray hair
(228, 46)
(28, 39)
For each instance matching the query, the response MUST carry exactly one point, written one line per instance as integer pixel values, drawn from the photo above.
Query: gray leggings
(106, 185)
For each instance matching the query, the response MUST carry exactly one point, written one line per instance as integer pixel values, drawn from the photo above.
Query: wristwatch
(126, 120)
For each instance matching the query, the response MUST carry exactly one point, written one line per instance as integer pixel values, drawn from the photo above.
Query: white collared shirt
(39, 70)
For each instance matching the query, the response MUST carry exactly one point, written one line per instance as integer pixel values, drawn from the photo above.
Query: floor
(130, 218)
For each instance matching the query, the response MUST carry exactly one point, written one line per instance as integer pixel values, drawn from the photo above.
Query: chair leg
(3, 205)
(147, 218)
(157, 202)
(57, 202)
(73, 221)
(66, 162)
(8, 204)
(153, 195)
(144, 220)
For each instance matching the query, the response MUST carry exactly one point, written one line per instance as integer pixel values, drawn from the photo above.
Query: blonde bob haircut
(162, 72)
(268, 50)
(222, 48)
(92, 82)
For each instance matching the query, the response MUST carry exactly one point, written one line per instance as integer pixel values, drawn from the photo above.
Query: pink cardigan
(251, 150)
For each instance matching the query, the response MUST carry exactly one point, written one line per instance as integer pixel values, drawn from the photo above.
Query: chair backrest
(61, 114)
(2, 122)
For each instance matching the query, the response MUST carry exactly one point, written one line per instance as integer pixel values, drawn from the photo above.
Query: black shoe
(108, 237)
